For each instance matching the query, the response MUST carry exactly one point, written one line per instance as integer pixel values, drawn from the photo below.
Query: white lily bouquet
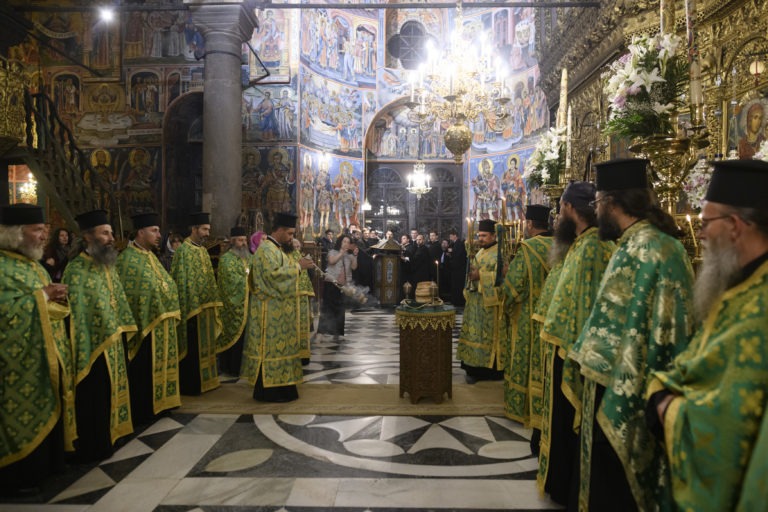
(646, 86)
(547, 160)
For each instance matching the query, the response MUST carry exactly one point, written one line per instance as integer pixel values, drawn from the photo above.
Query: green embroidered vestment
(305, 312)
(272, 344)
(641, 320)
(199, 301)
(712, 427)
(568, 310)
(154, 301)
(36, 359)
(100, 318)
(522, 286)
(233, 285)
(480, 338)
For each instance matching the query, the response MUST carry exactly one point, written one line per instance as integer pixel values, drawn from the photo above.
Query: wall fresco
(269, 184)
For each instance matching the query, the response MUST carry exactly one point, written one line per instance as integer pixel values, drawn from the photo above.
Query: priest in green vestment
(100, 324)
(153, 355)
(200, 305)
(570, 305)
(711, 405)
(272, 353)
(232, 275)
(305, 311)
(37, 418)
(522, 285)
(479, 348)
(642, 318)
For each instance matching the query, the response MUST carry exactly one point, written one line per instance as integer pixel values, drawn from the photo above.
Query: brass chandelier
(459, 83)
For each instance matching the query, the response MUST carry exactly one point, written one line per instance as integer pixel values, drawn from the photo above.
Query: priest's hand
(306, 263)
(661, 408)
(56, 292)
(474, 274)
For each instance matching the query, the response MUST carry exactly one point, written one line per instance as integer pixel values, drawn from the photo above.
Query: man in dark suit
(458, 266)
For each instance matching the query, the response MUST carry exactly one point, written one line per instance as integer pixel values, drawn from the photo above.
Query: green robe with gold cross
(712, 426)
(38, 374)
(154, 301)
(640, 321)
(199, 301)
(232, 274)
(520, 359)
(100, 318)
(480, 338)
(272, 346)
(570, 305)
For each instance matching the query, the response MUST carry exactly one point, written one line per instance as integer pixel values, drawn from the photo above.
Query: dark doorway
(394, 208)
(183, 161)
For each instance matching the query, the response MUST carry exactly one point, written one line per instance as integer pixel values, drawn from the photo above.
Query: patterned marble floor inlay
(307, 463)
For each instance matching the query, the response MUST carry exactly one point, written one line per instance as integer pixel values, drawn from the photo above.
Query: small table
(425, 351)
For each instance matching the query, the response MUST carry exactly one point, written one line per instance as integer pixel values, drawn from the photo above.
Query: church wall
(327, 89)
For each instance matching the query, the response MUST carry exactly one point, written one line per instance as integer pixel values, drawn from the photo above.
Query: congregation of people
(645, 383)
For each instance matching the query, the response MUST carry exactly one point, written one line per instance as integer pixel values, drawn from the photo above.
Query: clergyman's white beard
(719, 271)
(31, 251)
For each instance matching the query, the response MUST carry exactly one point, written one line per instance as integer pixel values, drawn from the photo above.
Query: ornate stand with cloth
(425, 351)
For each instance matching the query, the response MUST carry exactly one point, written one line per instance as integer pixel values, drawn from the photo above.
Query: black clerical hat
(145, 220)
(579, 193)
(621, 174)
(89, 220)
(537, 212)
(22, 214)
(487, 225)
(199, 218)
(238, 231)
(284, 220)
(740, 183)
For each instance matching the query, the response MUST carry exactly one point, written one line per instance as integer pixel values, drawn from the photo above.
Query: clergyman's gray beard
(31, 251)
(557, 252)
(103, 254)
(719, 271)
(240, 252)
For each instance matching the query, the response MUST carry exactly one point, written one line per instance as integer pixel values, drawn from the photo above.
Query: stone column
(225, 25)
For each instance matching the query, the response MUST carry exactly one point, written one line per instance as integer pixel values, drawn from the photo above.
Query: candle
(568, 134)
(690, 28)
(667, 16)
(469, 229)
(697, 97)
(562, 105)
(503, 209)
(693, 234)
(437, 273)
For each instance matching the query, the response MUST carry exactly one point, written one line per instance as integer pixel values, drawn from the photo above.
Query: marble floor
(234, 462)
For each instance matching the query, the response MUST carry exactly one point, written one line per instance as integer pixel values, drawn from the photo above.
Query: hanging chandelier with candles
(418, 181)
(459, 83)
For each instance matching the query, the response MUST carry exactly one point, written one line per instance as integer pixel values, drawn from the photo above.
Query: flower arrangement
(762, 152)
(695, 187)
(646, 86)
(547, 160)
